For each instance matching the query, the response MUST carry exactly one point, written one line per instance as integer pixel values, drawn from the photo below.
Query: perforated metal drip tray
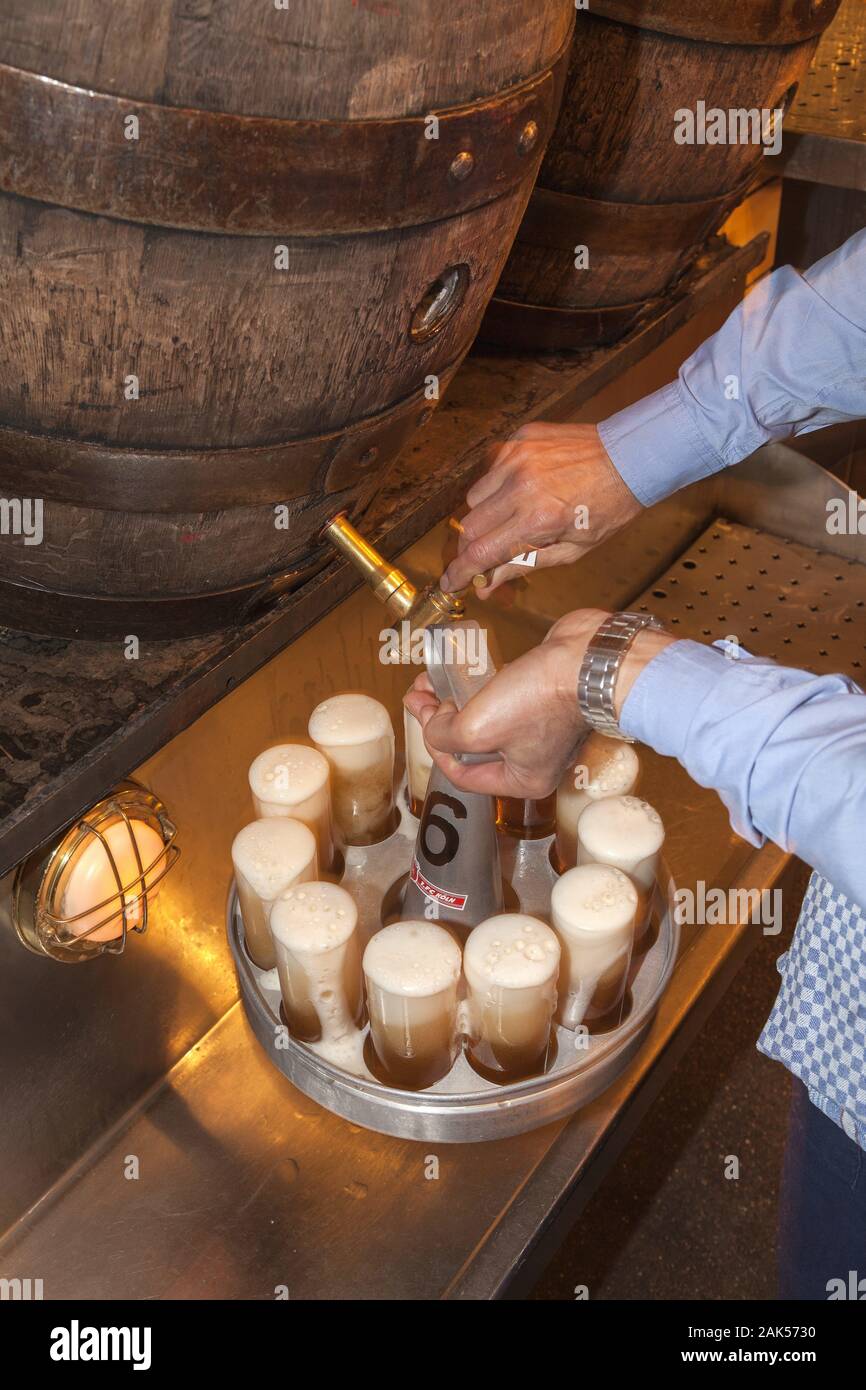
(832, 98)
(776, 598)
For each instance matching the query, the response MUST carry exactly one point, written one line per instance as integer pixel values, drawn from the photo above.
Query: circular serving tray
(462, 1107)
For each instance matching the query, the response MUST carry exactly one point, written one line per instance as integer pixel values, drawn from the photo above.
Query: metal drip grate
(832, 97)
(777, 598)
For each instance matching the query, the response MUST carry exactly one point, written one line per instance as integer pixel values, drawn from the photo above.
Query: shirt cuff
(656, 446)
(651, 716)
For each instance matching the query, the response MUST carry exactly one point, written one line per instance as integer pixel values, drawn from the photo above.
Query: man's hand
(533, 498)
(528, 713)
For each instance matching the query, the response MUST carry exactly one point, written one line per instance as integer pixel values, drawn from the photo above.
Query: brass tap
(392, 587)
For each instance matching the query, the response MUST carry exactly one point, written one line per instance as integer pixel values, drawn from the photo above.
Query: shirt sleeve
(790, 359)
(785, 750)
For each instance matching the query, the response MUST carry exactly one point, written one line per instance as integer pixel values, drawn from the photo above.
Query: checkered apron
(818, 1025)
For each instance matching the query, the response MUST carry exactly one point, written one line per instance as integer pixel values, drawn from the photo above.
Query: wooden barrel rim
(512, 323)
(253, 175)
(27, 608)
(131, 479)
(771, 25)
(558, 220)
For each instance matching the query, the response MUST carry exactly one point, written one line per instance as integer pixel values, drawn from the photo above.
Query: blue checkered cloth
(818, 1025)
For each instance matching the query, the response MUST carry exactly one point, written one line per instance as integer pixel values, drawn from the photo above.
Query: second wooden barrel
(632, 183)
(243, 248)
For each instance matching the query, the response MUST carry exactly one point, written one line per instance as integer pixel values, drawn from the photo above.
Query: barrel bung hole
(439, 303)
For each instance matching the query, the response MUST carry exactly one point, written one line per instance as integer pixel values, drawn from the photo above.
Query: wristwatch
(600, 667)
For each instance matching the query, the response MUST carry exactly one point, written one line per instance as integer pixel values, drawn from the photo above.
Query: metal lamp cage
(41, 882)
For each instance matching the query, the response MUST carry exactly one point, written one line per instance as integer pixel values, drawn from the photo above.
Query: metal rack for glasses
(463, 1106)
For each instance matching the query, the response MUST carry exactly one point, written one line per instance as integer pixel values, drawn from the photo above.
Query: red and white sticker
(457, 901)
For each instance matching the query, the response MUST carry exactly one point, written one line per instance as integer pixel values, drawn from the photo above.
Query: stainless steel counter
(221, 1180)
(825, 133)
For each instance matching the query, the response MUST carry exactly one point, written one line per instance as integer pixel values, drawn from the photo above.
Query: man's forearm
(790, 359)
(785, 750)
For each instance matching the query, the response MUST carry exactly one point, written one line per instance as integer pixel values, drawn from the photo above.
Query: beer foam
(271, 853)
(594, 897)
(611, 767)
(342, 720)
(416, 749)
(313, 917)
(412, 958)
(288, 774)
(621, 827)
(511, 951)
(345, 1052)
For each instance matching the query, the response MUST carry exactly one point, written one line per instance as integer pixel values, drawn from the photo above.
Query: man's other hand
(551, 489)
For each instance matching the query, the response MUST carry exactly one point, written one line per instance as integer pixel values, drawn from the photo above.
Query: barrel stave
(220, 332)
(614, 158)
(615, 135)
(325, 59)
(225, 346)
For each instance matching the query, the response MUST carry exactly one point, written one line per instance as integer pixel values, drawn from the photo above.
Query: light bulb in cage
(82, 897)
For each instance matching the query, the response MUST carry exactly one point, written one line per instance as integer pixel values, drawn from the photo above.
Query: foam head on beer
(604, 767)
(314, 927)
(355, 734)
(511, 963)
(412, 971)
(627, 833)
(511, 952)
(269, 856)
(593, 909)
(418, 762)
(291, 779)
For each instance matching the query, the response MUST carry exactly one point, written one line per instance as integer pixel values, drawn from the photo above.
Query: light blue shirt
(785, 750)
(790, 359)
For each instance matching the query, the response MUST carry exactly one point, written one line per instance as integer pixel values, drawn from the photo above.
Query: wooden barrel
(242, 245)
(615, 179)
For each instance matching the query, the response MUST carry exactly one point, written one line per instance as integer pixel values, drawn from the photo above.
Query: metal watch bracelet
(596, 682)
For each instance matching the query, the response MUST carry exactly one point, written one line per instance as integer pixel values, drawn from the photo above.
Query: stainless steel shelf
(825, 133)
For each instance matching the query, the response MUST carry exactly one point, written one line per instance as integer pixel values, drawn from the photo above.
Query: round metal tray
(463, 1107)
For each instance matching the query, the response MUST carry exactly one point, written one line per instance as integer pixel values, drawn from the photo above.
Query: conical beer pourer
(455, 875)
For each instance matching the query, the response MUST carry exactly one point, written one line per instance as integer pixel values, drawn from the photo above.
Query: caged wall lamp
(81, 898)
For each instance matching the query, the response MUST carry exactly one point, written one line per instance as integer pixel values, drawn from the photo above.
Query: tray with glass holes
(463, 1107)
